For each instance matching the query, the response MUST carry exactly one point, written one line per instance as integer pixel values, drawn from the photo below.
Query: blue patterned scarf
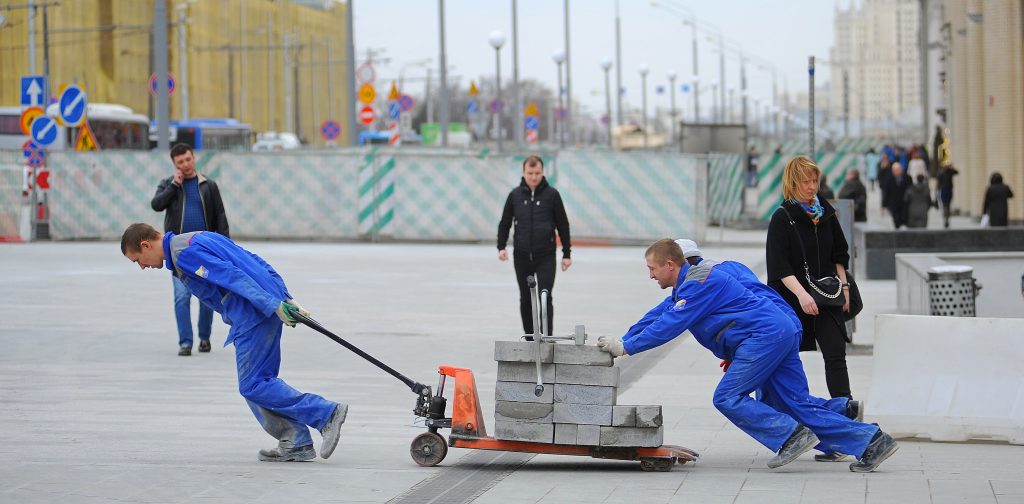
(814, 210)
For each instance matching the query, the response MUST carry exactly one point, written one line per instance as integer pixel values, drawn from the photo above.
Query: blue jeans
(284, 412)
(771, 363)
(183, 314)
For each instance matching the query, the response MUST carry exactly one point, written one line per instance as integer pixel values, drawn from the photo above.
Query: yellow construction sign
(86, 141)
(473, 91)
(393, 95)
(531, 110)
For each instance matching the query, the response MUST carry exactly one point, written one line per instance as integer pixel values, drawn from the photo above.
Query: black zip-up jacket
(537, 215)
(171, 197)
(824, 246)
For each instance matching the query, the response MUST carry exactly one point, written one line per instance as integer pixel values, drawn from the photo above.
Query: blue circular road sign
(35, 156)
(330, 129)
(472, 107)
(531, 123)
(44, 130)
(405, 103)
(685, 88)
(71, 106)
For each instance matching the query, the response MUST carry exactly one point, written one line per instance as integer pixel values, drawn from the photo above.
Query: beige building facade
(984, 92)
(236, 53)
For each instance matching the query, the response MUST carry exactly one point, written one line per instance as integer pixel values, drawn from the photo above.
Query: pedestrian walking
(536, 211)
(918, 201)
(945, 183)
(996, 204)
(191, 202)
(853, 189)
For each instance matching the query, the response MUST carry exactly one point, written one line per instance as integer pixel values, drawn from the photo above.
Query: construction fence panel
(726, 179)
(387, 193)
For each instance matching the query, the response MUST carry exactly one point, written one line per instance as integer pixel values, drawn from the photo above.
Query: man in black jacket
(192, 203)
(536, 209)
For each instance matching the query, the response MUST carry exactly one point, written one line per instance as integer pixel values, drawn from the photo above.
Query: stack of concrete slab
(578, 406)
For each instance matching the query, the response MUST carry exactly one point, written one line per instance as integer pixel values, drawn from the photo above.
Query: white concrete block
(948, 378)
(648, 416)
(523, 351)
(586, 375)
(587, 355)
(632, 436)
(508, 411)
(592, 414)
(522, 392)
(588, 435)
(584, 394)
(525, 431)
(525, 372)
(623, 416)
(565, 433)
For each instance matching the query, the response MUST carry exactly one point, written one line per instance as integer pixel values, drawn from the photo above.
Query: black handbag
(856, 302)
(827, 290)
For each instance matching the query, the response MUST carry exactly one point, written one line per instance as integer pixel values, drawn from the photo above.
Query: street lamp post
(182, 9)
(696, 99)
(606, 65)
(497, 39)
(643, 93)
(672, 112)
(559, 57)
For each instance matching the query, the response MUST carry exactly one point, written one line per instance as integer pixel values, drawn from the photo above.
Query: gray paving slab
(97, 406)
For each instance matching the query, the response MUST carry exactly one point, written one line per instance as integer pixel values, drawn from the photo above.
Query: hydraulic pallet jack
(467, 420)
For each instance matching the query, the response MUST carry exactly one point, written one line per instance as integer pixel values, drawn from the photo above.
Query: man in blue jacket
(253, 299)
(843, 405)
(762, 343)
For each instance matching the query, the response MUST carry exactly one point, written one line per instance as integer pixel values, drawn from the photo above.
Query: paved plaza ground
(98, 407)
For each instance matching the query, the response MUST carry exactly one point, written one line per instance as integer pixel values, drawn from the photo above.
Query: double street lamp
(643, 86)
(559, 58)
(497, 39)
(606, 65)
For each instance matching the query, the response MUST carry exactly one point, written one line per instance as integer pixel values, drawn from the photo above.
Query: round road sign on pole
(330, 129)
(71, 106)
(171, 84)
(365, 73)
(367, 115)
(367, 94)
(30, 114)
(405, 102)
(44, 131)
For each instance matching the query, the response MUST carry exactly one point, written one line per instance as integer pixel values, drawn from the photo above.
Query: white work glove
(611, 345)
(284, 310)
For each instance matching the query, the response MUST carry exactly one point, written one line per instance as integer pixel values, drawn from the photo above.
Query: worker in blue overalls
(251, 298)
(843, 405)
(762, 343)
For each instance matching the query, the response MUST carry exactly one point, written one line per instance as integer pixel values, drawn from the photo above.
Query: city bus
(115, 127)
(224, 134)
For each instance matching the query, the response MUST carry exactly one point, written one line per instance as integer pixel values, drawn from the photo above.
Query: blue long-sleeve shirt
(715, 307)
(232, 281)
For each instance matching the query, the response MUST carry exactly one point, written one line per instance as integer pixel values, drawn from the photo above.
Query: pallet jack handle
(417, 388)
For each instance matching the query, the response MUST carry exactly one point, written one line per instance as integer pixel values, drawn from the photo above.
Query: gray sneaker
(855, 410)
(881, 447)
(297, 454)
(830, 457)
(332, 430)
(799, 443)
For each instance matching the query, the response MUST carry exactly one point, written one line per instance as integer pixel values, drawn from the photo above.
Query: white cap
(689, 248)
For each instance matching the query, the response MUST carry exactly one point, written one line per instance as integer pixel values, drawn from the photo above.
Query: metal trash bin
(951, 290)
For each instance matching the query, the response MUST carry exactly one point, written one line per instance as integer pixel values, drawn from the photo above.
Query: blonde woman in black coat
(826, 252)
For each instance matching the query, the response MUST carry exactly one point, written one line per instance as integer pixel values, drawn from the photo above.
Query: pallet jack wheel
(659, 464)
(428, 449)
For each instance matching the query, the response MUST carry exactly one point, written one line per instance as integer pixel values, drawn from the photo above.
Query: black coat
(536, 215)
(171, 196)
(996, 204)
(824, 246)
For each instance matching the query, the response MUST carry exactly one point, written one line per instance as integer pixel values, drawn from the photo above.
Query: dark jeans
(544, 267)
(830, 335)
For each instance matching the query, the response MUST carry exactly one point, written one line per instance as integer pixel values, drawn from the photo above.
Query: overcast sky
(781, 32)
